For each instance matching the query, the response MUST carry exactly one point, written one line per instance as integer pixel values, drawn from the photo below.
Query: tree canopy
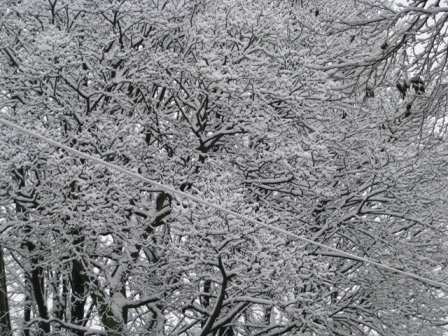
(325, 119)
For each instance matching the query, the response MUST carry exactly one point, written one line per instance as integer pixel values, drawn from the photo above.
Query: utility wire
(340, 253)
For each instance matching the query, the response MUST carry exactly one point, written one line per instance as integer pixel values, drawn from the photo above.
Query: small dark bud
(369, 92)
(402, 89)
(417, 80)
(418, 85)
(408, 110)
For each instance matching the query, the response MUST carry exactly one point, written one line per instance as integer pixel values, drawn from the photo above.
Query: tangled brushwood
(298, 114)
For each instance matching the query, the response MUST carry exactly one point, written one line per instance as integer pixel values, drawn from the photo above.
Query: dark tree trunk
(5, 320)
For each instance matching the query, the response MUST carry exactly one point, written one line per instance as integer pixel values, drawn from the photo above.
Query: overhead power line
(340, 253)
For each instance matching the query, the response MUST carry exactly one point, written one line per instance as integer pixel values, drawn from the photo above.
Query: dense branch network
(324, 120)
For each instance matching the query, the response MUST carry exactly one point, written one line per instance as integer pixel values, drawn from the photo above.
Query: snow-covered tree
(320, 118)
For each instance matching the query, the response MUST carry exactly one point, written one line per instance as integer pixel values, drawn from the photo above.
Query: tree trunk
(5, 320)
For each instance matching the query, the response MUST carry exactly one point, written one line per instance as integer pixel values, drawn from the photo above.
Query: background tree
(292, 113)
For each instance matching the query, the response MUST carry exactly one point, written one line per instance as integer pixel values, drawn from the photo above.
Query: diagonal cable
(340, 253)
